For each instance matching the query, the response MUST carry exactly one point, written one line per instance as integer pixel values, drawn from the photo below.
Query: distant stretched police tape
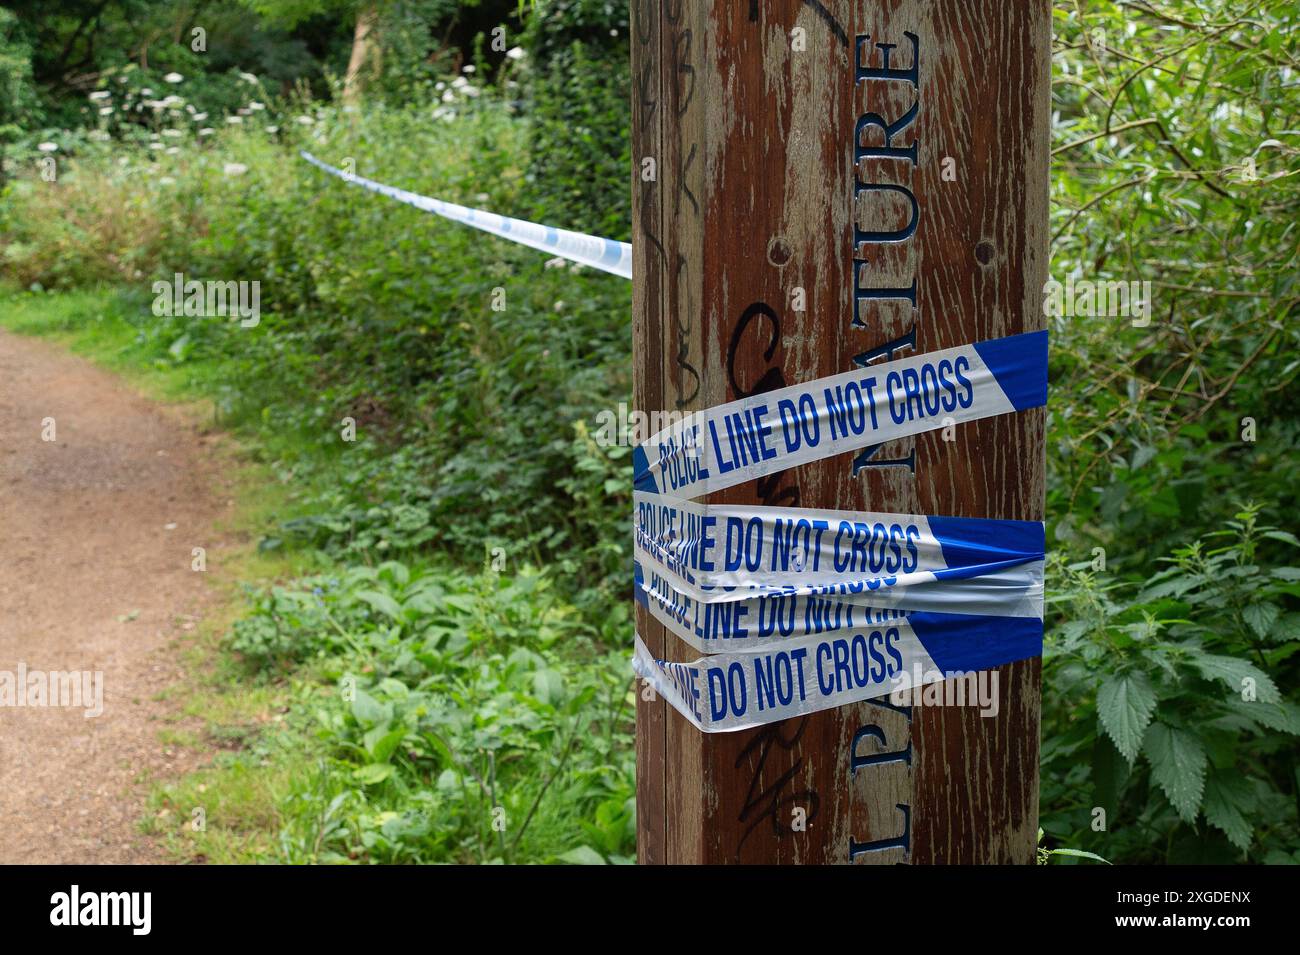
(607, 255)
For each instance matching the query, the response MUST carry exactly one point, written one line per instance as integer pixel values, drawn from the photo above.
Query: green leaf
(548, 686)
(383, 742)
(1125, 702)
(396, 571)
(1283, 716)
(1178, 767)
(369, 711)
(373, 773)
(1227, 799)
(1080, 854)
(1109, 773)
(1261, 617)
(1235, 673)
(583, 855)
(381, 602)
(1283, 536)
(1287, 628)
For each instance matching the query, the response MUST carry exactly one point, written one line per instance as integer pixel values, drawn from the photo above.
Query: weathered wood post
(821, 184)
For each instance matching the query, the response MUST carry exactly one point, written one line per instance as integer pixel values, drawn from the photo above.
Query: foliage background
(1170, 670)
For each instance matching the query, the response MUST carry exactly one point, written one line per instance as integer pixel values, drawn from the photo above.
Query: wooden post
(744, 121)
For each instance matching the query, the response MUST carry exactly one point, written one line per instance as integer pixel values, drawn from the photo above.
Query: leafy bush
(580, 92)
(1175, 723)
(465, 719)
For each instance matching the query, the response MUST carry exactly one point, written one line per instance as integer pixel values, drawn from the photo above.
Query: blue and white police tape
(748, 623)
(734, 691)
(604, 254)
(717, 552)
(739, 441)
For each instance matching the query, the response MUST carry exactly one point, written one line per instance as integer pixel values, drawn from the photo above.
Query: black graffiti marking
(829, 19)
(682, 62)
(773, 378)
(654, 241)
(772, 494)
(647, 103)
(684, 352)
(769, 805)
(686, 167)
(684, 344)
(823, 14)
(770, 491)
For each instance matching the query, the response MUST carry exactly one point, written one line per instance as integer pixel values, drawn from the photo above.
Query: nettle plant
(1169, 738)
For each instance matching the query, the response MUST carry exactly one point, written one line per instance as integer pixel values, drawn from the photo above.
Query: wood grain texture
(754, 199)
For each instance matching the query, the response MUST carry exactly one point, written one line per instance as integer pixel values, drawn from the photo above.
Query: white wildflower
(48, 147)
(306, 120)
(248, 78)
(516, 53)
(173, 78)
(555, 263)
(234, 119)
(206, 131)
(100, 94)
(234, 169)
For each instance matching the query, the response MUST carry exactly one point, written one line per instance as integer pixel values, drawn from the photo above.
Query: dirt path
(96, 535)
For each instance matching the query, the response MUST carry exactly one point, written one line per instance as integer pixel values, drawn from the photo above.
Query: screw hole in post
(778, 251)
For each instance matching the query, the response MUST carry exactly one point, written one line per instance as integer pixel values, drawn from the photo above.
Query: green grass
(101, 325)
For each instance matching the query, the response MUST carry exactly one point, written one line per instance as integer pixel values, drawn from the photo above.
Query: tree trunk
(364, 48)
